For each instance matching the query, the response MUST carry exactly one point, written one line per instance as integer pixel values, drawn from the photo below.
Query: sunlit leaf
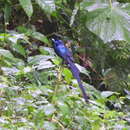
(45, 65)
(27, 6)
(36, 59)
(40, 36)
(41, 62)
(46, 50)
(110, 23)
(93, 5)
(15, 37)
(6, 53)
(27, 69)
(128, 97)
(33, 34)
(2, 120)
(20, 49)
(56, 61)
(49, 126)
(3, 86)
(49, 109)
(82, 69)
(10, 71)
(68, 75)
(46, 5)
(63, 108)
(4, 36)
(107, 93)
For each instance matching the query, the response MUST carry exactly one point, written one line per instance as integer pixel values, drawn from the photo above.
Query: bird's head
(56, 41)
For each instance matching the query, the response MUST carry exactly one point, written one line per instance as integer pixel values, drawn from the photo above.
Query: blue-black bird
(62, 51)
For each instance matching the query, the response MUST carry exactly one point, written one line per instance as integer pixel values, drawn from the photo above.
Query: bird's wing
(69, 54)
(61, 51)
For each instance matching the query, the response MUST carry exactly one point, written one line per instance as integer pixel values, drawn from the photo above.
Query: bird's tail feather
(76, 73)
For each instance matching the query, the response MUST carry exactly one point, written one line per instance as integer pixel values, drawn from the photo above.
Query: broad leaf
(49, 109)
(109, 23)
(6, 54)
(6, 58)
(49, 126)
(40, 37)
(7, 13)
(106, 94)
(41, 62)
(19, 48)
(82, 69)
(27, 6)
(46, 5)
(14, 37)
(4, 36)
(92, 5)
(47, 51)
(9, 71)
(33, 34)
(68, 75)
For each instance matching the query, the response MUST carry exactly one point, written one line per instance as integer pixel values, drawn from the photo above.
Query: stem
(110, 2)
(58, 122)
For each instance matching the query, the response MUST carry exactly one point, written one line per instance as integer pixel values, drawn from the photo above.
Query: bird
(64, 52)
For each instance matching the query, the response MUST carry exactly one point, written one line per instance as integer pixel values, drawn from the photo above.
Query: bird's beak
(53, 39)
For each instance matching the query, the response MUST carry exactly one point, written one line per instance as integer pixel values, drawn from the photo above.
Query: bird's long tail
(76, 73)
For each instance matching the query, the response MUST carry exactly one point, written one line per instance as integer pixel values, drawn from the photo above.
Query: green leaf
(27, 6)
(40, 37)
(4, 36)
(64, 108)
(107, 93)
(92, 5)
(41, 62)
(6, 58)
(9, 71)
(47, 5)
(82, 69)
(20, 49)
(45, 65)
(6, 53)
(16, 36)
(49, 126)
(33, 34)
(23, 29)
(109, 23)
(49, 109)
(7, 12)
(57, 60)
(47, 51)
(68, 74)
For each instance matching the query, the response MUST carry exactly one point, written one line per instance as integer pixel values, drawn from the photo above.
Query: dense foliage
(37, 91)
